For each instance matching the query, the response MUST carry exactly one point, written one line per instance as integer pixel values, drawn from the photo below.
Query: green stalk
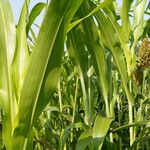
(85, 98)
(60, 97)
(118, 107)
(131, 121)
(75, 101)
(77, 52)
(131, 129)
(74, 106)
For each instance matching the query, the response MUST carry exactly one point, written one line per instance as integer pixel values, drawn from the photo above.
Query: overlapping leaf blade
(100, 129)
(79, 56)
(21, 55)
(138, 19)
(126, 26)
(107, 32)
(53, 70)
(100, 6)
(7, 43)
(43, 74)
(35, 12)
(93, 43)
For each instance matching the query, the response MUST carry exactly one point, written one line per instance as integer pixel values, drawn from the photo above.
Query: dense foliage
(82, 82)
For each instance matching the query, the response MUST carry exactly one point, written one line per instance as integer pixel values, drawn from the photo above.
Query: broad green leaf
(42, 76)
(122, 38)
(112, 43)
(93, 44)
(9, 27)
(138, 123)
(126, 26)
(79, 56)
(100, 6)
(84, 140)
(30, 94)
(137, 26)
(7, 44)
(138, 19)
(21, 55)
(100, 129)
(35, 12)
(54, 65)
(66, 133)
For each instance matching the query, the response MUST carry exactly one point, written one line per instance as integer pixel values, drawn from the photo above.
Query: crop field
(79, 80)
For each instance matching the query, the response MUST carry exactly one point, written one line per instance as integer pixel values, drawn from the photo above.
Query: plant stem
(60, 97)
(74, 106)
(75, 101)
(131, 129)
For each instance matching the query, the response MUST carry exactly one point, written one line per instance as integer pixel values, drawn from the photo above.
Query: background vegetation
(82, 83)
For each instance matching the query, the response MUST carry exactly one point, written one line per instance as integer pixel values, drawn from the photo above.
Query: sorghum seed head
(144, 54)
(137, 75)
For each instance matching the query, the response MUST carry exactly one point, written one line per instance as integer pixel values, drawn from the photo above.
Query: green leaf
(67, 131)
(54, 65)
(35, 12)
(138, 123)
(122, 37)
(138, 19)
(137, 26)
(79, 56)
(7, 44)
(84, 140)
(98, 60)
(111, 41)
(42, 76)
(126, 26)
(21, 55)
(100, 129)
(100, 6)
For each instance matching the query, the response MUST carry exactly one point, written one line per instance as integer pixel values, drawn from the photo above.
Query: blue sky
(17, 5)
